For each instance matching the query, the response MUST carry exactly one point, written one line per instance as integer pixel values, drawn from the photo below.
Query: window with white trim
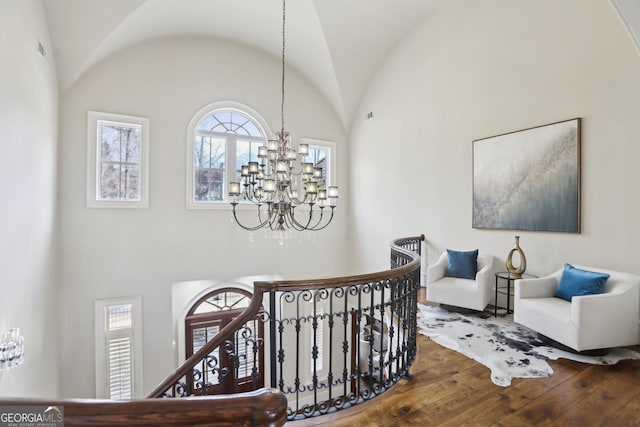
(219, 135)
(322, 154)
(118, 334)
(117, 152)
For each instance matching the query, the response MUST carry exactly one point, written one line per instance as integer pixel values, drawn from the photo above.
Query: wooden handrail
(262, 287)
(249, 313)
(336, 282)
(263, 407)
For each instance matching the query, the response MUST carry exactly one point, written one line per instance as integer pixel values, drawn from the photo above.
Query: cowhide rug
(509, 350)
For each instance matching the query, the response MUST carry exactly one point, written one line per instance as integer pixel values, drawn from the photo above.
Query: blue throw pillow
(575, 282)
(462, 264)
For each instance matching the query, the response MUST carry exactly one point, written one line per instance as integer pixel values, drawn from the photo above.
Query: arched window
(205, 320)
(222, 137)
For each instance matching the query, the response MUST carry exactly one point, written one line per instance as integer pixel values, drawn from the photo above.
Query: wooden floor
(448, 389)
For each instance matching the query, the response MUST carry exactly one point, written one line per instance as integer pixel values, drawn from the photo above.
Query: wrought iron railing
(332, 343)
(264, 408)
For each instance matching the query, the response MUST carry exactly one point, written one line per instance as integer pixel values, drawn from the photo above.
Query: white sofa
(588, 322)
(473, 294)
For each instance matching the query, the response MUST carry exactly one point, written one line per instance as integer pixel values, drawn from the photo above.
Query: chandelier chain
(276, 189)
(283, 43)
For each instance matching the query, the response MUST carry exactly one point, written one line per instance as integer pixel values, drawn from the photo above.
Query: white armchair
(468, 293)
(588, 322)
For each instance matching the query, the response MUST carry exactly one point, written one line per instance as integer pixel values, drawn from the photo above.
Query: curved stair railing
(264, 407)
(332, 343)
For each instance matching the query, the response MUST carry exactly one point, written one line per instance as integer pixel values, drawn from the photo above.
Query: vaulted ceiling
(338, 45)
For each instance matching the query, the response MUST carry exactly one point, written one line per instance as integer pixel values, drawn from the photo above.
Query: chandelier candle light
(277, 189)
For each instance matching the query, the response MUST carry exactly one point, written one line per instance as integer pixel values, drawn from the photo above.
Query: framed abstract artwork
(528, 179)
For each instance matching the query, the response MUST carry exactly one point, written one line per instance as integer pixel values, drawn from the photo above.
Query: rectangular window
(120, 353)
(322, 154)
(117, 160)
(246, 151)
(319, 156)
(208, 168)
(118, 324)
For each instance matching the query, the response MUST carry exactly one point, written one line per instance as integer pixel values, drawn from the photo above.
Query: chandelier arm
(295, 200)
(316, 226)
(256, 201)
(287, 221)
(292, 223)
(250, 196)
(274, 222)
(260, 213)
(257, 227)
(298, 201)
(245, 192)
(260, 201)
(306, 226)
(328, 221)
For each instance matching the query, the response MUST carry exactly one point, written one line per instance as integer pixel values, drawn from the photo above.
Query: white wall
(28, 137)
(120, 252)
(477, 69)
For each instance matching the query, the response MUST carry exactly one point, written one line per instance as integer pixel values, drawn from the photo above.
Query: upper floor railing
(331, 343)
(264, 408)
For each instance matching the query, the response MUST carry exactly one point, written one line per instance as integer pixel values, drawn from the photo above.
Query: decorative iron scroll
(331, 343)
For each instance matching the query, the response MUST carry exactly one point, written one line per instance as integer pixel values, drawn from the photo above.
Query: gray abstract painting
(529, 179)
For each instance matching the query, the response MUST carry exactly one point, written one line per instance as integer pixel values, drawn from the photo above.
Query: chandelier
(287, 190)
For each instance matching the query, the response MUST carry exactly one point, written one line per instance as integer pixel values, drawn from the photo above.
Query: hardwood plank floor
(449, 389)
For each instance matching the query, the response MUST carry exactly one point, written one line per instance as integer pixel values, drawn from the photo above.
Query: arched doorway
(236, 366)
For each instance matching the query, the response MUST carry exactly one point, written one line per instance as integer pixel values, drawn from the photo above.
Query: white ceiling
(338, 45)
(629, 13)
